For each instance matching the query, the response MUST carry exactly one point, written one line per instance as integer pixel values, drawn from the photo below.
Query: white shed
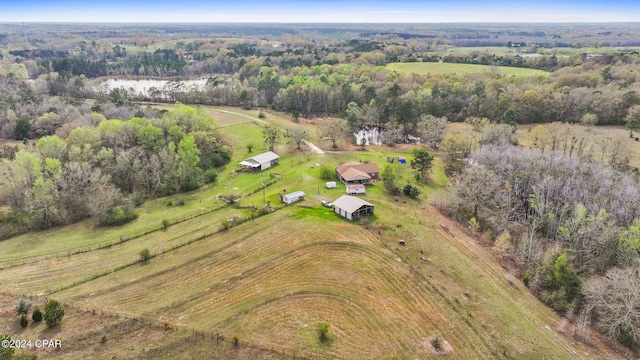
(352, 207)
(293, 197)
(331, 185)
(355, 189)
(261, 161)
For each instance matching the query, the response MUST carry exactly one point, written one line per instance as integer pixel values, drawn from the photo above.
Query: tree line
(571, 225)
(103, 171)
(306, 78)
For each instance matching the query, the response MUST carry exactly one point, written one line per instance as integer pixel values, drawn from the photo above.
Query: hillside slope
(271, 280)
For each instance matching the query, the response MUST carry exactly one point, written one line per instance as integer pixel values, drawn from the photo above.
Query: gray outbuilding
(352, 207)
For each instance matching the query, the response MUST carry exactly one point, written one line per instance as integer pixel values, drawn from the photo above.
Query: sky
(321, 11)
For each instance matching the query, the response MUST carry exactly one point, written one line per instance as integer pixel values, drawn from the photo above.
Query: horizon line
(314, 22)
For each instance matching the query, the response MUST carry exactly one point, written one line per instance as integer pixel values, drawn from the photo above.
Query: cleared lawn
(425, 68)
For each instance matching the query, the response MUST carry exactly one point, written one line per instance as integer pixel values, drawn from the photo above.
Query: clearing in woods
(270, 280)
(437, 68)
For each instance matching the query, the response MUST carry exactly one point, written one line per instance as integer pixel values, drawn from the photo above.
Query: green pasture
(425, 68)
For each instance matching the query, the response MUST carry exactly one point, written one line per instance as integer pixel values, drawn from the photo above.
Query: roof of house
(353, 174)
(260, 159)
(293, 195)
(355, 186)
(350, 203)
(265, 157)
(365, 168)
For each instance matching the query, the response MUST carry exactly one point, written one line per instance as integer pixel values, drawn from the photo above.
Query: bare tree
(297, 135)
(615, 299)
(332, 129)
(432, 130)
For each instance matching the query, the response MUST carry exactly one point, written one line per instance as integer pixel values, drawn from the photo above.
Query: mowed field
(425, 68)
(270, 280)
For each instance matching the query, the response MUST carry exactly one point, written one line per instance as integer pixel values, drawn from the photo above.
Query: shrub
(236, 340)
(37, 315)
(190, 184)
(120, 215)
(137, 198)
(326, 173)
(411, 191)
(22, 306)
(323, 332)
(436, 342)
(103, 339)
(145, 255)
(23, 320)
(53, 313)
(210, 175)
(226, 224)
(249, 147)
(165, 224)
(261, 115)
(6, 352)
(180, 203)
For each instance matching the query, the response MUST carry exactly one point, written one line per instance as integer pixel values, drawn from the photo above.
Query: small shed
(352, 207)
(261, 161)
(331, 185)
(293, 197)
(355, 189)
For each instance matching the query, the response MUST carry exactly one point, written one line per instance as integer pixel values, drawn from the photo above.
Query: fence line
(125, 237)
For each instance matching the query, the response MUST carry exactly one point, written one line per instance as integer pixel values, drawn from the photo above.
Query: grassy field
(270, 280)
(461, 69)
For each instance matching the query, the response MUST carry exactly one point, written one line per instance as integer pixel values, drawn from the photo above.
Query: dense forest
(103, 169)
(568, 219)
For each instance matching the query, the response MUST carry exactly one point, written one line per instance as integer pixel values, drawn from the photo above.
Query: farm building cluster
(353, 175)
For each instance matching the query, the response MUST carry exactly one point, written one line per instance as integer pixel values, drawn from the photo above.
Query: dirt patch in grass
(443, 346)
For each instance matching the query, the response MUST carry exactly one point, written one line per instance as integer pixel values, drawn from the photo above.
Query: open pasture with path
(271, 280)
(424, 68)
